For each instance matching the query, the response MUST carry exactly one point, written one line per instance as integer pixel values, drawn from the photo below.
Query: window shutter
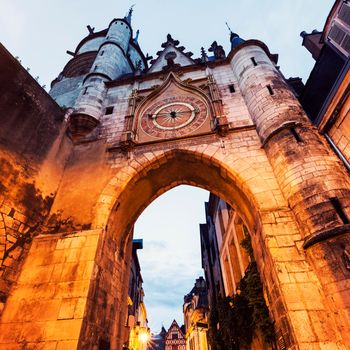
(346, 43)
(344, 14)
(336, 33)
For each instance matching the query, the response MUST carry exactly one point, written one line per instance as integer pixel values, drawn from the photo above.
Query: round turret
(235, 40)
(112, 61)
(299, 157)
(120, 33)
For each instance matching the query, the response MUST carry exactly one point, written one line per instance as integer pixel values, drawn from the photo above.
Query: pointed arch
(134, 187)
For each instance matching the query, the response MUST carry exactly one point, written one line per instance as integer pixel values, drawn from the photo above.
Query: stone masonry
(238, 131)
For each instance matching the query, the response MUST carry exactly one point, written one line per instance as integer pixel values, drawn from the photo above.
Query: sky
(40, 31)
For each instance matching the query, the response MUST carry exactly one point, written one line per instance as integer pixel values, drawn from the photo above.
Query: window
(175, 336)
(296, 135)
(339, 33)
(338, 208)
(253, 61)
(85, 91)
(102, 52)
(232, 88)
(271, 92)
(109, 110)
(344, 14)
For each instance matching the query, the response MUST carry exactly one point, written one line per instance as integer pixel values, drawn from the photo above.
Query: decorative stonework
(254, 147)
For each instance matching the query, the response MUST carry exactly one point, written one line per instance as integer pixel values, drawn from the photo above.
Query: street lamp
(144, 337)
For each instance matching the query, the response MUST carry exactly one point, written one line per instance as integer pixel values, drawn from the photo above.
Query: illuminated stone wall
(256, 150)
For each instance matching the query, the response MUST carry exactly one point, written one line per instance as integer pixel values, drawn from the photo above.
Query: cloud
(153, 244)
(11, 13)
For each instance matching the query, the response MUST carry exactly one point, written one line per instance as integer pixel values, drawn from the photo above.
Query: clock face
(174, 117)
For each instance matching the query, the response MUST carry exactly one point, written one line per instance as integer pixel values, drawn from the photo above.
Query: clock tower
(136, 127)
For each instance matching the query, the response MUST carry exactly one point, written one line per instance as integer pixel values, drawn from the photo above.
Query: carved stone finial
(137, 36)
(170, 41)
(138, 65)
(204, 56)
(170, 58)
(129, 15)
(90, 29)
(219, 52)
(148, 57)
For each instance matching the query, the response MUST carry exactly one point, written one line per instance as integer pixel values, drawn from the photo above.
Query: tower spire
(234, 38)
(129, 15)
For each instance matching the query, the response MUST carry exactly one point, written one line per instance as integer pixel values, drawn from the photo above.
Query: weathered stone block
(67, 309)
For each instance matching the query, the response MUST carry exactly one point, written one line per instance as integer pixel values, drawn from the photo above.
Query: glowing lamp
(144, 337)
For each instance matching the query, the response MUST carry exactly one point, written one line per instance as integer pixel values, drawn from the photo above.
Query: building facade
(233, 265)
(210, 254)
(326, 93)
(230, 231)
(118, 129)
(195, 311)
(175, 338)
(137, 323)
(157, 341)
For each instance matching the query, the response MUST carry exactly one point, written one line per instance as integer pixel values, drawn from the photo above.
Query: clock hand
(175, 114)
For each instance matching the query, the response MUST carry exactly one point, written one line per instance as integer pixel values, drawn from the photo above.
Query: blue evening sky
(40, 32)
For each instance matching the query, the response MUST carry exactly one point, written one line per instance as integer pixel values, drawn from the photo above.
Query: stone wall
(46, 309)
(32, 148)
(278, 180)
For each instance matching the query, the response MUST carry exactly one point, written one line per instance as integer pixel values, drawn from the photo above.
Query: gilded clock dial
(174, 117)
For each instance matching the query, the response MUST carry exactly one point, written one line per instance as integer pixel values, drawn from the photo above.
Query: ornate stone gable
(171, 57)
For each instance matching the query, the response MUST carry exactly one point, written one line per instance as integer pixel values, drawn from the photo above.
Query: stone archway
(75, 284)
(254, 198)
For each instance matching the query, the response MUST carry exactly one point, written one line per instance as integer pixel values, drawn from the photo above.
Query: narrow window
(338, 208)
(102, 52)
(109, 110)
(296, 135)
(12, 212)
(271, 92)
(232, 88)
(85, 91)
(254, 62)
(95, 68)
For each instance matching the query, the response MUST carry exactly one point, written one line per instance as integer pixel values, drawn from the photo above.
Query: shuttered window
(339, 34)
(344, 14)
(336, 33)
(346, 43)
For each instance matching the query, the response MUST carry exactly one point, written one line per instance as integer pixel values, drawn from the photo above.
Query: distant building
(222, 234)
(195, 311)
(175, 338)
(137, 322)
(326, 94)
(157, 341)
(210, 253)
(223, 259)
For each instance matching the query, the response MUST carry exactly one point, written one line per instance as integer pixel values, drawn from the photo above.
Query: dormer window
(339, 33)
